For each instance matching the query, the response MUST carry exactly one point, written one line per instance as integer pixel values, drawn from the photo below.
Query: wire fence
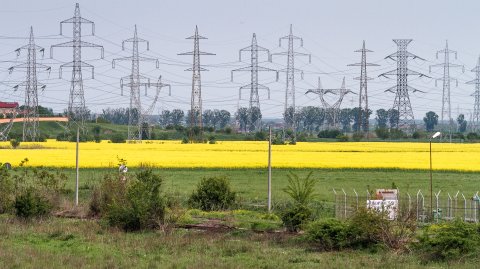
(441, 207)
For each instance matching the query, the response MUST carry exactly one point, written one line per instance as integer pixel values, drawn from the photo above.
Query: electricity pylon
(332, 110)
(363, 93)
(30, 109)
(290, 78)
(196, 97)
(405, 120)
(253, 68)
(76, 103)
(137, 115)
(475, 121)
(446, 79)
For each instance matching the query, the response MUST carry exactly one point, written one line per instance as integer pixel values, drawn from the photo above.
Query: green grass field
(251, 184)
(65, 243)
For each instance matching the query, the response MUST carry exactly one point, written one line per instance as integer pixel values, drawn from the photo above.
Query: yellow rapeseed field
(246, 154)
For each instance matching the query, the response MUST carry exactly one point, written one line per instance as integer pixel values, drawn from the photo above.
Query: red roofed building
(8, 107)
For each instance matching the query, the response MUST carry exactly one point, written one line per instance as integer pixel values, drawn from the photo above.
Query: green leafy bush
(7, 195)
(328, 234)
(342, 138)
(448, 241)
(329, 134)
(212, 193)
(138, 205)
(366, 229)
(117, 138)
(294, 217)
(30, 204)
(14, 143)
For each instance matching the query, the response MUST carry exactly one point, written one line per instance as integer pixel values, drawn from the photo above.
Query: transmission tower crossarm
(76, 44)
(360, 64)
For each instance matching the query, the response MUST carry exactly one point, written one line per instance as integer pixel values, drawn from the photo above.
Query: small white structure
(385, 200)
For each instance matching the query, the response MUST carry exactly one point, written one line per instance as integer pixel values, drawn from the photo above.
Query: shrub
(357, 137)
(295, 217)
(342, 138)
(448, 241)
(365, 228)
(6, 190)
(14, 143)
(30, 204)
(212, 193)
(472, 136)
(212, 140)
(302, 192)
(111, 189)
(329, 134)
(382, 133)
(261, 136)
(328, 234)
(117, 138)
(138, 205)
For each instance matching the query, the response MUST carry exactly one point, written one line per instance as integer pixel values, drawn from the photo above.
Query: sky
(331, 31)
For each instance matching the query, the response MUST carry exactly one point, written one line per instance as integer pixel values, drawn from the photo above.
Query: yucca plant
(301, 190)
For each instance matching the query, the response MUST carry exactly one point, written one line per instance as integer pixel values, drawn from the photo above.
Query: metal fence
(444, 207)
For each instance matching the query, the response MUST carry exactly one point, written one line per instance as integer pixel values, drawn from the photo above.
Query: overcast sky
(331, 31)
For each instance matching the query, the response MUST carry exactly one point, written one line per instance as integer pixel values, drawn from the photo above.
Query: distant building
(7, 108)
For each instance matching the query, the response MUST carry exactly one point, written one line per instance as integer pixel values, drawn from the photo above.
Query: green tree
(382, 118)
(462, 123)
(393, 118)
(430, 119)
(242, 117)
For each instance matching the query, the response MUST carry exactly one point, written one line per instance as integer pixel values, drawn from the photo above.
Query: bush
(382, 133)
(342, 138)
(448, 241)
(111, 189)
(138, 204)
(14, 143)
(416, 135)
(357, 137)
(472, 136)
(302, 192)
(118, 138)
(212, 140)
(366, 229)
(6, 190)
(328, 234)
(261, 136)
(30, 204)
(295, 217)
(213, 193)
(329, 134)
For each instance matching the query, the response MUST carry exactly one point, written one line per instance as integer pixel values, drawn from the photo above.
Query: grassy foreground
(68, 243)
(65, 243)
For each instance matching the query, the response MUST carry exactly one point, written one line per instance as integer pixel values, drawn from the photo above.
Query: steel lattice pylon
(290, 74)
(30, 109)
(446, 79)
(196, 98)
(476, 106)
(406, 120)
(137, 115)
(363, 93)
(253, 68)
(76, 103)
(331, 110)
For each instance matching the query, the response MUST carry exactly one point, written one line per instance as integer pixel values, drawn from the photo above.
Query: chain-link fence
(440, 207)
